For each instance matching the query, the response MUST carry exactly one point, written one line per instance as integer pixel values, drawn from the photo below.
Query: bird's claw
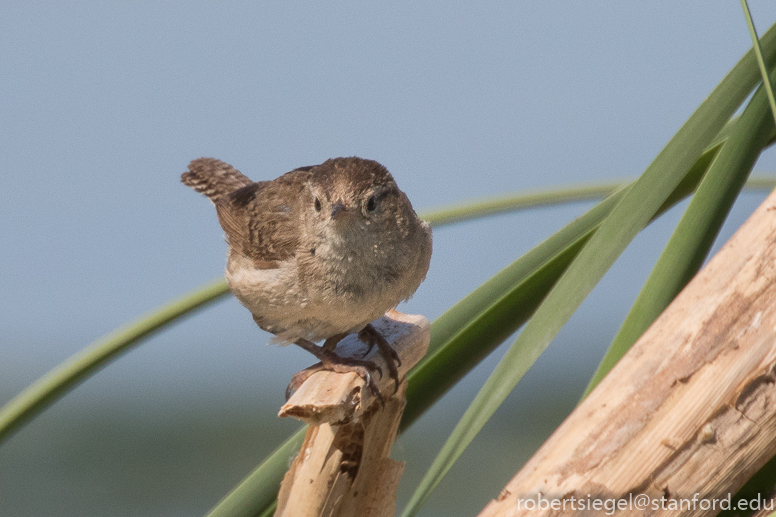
(372, 337)
(330, 361)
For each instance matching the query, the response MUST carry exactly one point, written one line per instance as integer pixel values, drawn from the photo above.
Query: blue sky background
(102, 106)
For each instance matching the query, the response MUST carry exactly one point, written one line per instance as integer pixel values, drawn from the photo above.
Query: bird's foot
(372, 337)
(332, 362)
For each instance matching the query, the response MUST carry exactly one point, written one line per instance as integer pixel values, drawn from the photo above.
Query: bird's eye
(317, 205)
(371, 204)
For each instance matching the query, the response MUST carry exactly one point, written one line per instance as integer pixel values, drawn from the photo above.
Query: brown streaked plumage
(319, 252)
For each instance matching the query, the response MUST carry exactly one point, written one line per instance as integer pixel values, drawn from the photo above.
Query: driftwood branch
(343, 468)
(687, 416)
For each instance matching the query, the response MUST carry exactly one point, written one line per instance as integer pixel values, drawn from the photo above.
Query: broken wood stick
(687, 415)
(343, 468)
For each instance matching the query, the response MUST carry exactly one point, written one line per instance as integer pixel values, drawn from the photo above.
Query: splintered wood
(344, 468)
(687, 416)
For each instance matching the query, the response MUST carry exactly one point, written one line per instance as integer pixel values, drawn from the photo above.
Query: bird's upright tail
(214, 178)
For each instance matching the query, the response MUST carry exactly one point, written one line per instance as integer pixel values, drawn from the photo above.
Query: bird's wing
(262, 220)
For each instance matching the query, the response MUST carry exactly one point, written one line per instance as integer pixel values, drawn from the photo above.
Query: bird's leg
(332, 362)
(372, 337)
(331, 343)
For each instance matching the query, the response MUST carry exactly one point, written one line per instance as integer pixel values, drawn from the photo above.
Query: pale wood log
(690, 409)
(343, 468)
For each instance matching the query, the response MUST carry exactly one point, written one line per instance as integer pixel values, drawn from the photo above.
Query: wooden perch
(343, 468)
(691, 409)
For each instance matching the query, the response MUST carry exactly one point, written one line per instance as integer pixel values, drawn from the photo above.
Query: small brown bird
(319, 253)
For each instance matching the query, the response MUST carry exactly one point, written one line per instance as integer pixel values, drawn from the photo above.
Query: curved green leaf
(760, 60)
(77, 368)
(511, 202)
(257, 493)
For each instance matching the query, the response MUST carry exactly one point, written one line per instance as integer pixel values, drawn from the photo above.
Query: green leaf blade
(70, 373)
(257, 493)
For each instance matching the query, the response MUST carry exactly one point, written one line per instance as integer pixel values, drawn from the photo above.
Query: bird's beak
(339, 210)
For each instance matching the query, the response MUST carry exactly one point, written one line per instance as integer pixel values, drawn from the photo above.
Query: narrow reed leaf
(67, 375)
(511, 202)
(760, 61)
(257, 493)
